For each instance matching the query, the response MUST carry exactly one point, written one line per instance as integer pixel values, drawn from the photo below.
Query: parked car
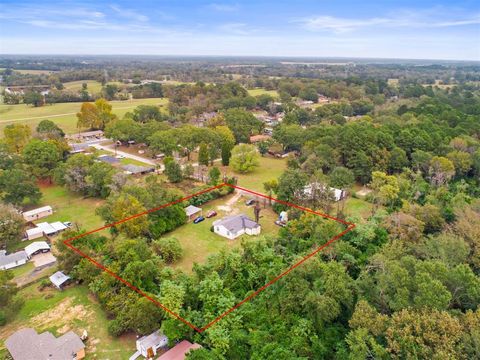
(120, 157)
(198, 219)
(67, 223)
(280, 223)
(211, 213)
(250, 202)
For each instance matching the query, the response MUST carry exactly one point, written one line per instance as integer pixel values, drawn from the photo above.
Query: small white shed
(148, 345)
(36, 248)
(34, 233)
(59, 279)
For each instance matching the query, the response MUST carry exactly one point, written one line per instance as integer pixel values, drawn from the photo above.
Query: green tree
(441, 170)
(242, 123)
(42, 157)
(47, 129)
(244, 158)
(214, 176)
(17, 136)
(33, 98)
(203, 156)
(169, 249)
(17, 186)
(173, 170)
(11, 225)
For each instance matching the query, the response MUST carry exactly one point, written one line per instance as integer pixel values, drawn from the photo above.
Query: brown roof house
(26, 344)
(179, 351)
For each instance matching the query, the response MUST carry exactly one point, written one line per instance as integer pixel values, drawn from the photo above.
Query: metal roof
(235, 223)
(192, 210)
(12, 258)
(37, 211)
(59, 278)
(36, 246)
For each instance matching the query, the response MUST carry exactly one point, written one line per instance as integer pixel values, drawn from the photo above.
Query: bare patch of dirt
(64, 313)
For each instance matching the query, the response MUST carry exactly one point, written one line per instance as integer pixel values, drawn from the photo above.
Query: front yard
(198, 242)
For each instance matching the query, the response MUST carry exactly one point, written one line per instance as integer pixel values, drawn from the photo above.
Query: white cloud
(224, 7)
(129, 14)
(404, 19)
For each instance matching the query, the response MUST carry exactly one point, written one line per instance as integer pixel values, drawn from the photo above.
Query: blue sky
(386, 29)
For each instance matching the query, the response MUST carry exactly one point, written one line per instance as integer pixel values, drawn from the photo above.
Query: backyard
(198, 242)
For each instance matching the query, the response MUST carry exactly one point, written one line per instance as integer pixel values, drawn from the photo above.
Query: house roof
(59, 278)
(108, 159)
(34, 231)
(36, 246)
(52, 228)
(192, 210)
(179, 351)
(135, 169)
(152, 340)
(235, 223)
(12, 258)
(37, 211)
(26, 344)
(257, 138)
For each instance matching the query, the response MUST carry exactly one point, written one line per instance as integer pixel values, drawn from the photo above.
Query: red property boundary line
(349, 225)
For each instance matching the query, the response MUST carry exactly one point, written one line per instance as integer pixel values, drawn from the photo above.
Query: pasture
(63, 114)
(261, 91)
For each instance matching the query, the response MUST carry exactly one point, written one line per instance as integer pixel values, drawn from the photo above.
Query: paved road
(127, 155)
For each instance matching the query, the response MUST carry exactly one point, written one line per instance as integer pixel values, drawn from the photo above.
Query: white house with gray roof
(26, 344)
(234, 226)
(12, 260)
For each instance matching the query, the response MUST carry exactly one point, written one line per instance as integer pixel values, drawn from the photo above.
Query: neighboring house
(108, 159)
(36, 214)
(54, 228)
(147, 346)
(59, 279)
(78, 148)
(88, 135)
(26, 344)
(12, 260)
(233, 226)
(37, 247)
(310, 190)
(34, 233)
(179, 351)
(192, 212)
(137, 170)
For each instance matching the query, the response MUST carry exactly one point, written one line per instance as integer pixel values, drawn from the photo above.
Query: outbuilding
(54, 228)
(131, 169)
(147, 346)
(192, 212)
(39, 213)
(34, 233)
(59, 279)
(37, 247)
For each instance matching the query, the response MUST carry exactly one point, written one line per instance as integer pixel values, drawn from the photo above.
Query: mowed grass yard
(63, 114)
(68, 206)
(73, 309)
(93, 86)
(198, 242)
(261, 91)
(270, 168)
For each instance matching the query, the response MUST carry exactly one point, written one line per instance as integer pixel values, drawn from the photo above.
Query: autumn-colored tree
(441, 170)
(17, 136)
(95, 116)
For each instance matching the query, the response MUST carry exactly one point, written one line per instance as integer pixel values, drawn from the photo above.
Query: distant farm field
(261, 91)
(32, 71)
(63, 114)
(93, 86)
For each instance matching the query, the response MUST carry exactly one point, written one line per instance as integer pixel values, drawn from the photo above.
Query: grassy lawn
(71, 207)
(261, 91)
(198, 242)
(24, 269)
(32, 71)
(93, 86)
(72, 309)
(269, 169)
(358, 207)
(63, 114)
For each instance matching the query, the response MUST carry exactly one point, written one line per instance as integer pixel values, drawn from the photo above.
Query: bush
(115, 328)
(169, 249)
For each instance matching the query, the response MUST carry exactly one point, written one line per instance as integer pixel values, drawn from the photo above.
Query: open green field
(270, 168)
(63, 114)
(93, 86)
(261, 91)
(72, 309)
(32, 71)
(198, 242)
(358, 208)
(71, 207)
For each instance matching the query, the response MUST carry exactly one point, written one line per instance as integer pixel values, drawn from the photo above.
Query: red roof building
(179, 351)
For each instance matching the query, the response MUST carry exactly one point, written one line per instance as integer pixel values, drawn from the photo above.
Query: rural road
(127, 155)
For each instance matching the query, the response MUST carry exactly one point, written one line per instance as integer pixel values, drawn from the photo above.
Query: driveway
(127, 155)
